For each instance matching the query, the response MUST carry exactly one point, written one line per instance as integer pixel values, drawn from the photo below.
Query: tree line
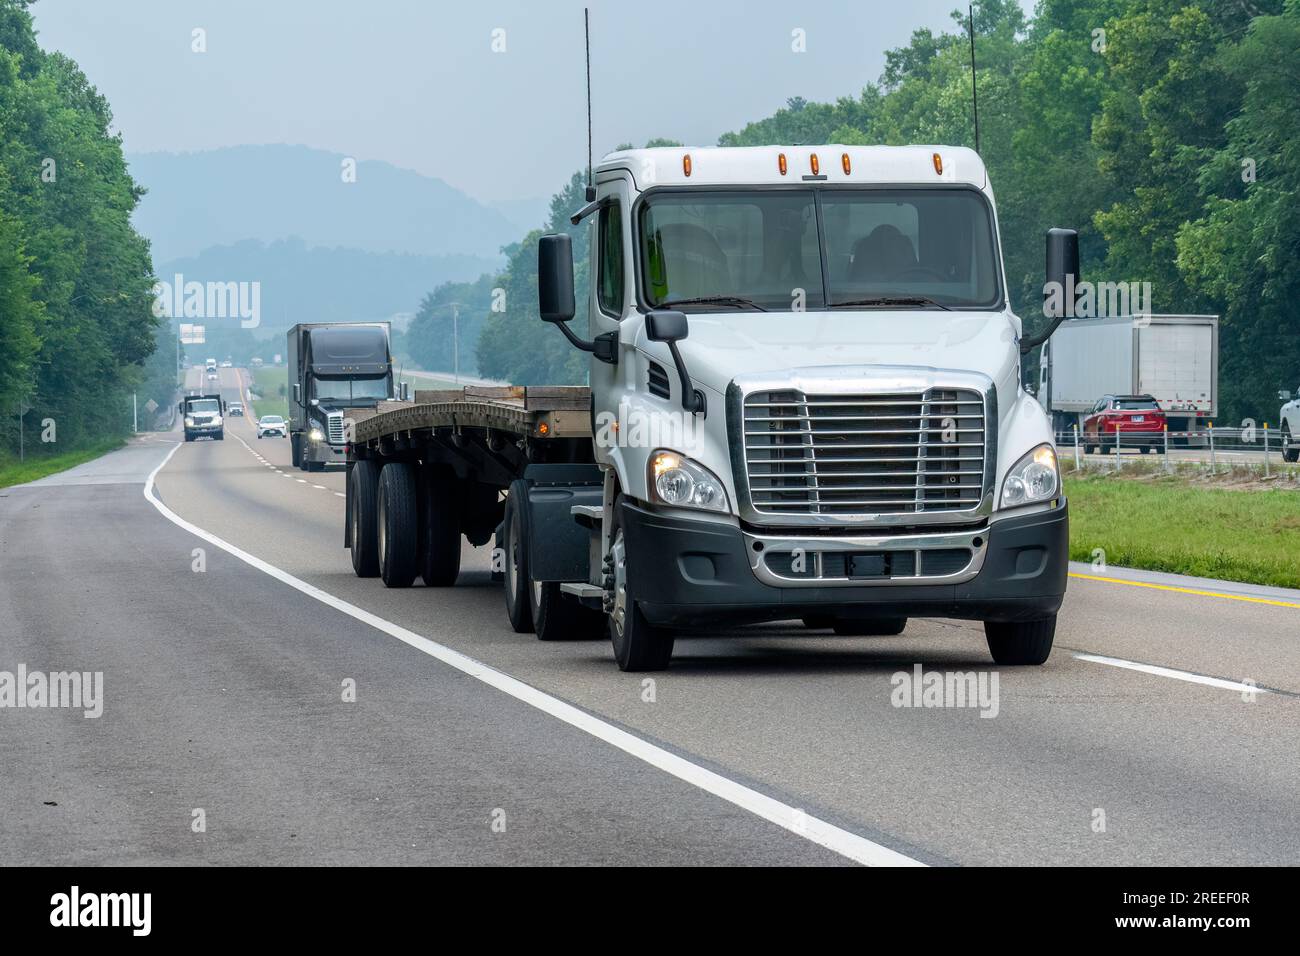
(77, 334)
(1166, 131)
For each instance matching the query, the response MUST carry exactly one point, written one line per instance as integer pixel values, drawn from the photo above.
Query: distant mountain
(302, 283)
(524, 214)
(223, 196)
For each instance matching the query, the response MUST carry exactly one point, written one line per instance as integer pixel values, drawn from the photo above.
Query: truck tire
(1020, 642)
(638, 645)
(514, 548)
(221, 435)
(869, 626)
(440, 529)
(397, 525)
(362, 490)
(1289, 454)
(295, 452)
(559, 617)
(314, 465)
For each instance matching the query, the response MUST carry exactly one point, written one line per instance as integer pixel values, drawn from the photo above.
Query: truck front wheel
(1020, 642)
(397, 525)
(295, 451)
(638, 645)
(362, 489)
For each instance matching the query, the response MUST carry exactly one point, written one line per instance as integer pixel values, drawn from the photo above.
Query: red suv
(1136, 419)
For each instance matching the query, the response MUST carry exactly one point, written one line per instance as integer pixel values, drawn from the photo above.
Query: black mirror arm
(603, 347)
(692, 398)
(1030, 342)
(584, 212)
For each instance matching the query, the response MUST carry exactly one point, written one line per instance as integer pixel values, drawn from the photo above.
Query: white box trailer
(1172, 358)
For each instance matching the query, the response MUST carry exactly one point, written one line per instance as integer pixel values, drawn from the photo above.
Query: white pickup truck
(1289, 422)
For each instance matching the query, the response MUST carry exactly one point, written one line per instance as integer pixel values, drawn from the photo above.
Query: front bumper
(689, 572)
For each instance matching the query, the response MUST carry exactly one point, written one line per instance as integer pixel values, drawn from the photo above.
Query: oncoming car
(271, 425)
(236, 409)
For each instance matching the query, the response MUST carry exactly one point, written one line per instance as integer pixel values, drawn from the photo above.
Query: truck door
(612, 297)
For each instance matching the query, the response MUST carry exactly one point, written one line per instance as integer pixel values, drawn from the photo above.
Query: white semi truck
(805, 403)
(1172, 358)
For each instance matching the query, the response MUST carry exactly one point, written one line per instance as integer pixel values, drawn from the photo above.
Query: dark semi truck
(335, 371)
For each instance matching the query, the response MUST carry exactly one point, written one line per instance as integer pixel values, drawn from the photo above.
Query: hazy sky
(417, 83)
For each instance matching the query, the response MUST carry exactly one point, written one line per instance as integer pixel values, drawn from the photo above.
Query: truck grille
(335, 421)
(889, 453)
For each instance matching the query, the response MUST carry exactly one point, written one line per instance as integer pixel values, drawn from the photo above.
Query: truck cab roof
(834, 164)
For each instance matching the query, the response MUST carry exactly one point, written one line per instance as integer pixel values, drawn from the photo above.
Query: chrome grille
(335, 421)
(843, 454)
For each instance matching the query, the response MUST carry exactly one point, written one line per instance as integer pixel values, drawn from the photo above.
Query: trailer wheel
(638, 645)
(439, 550)
(397, 525)
(514, 547)
(1020, 642)
(362, 490)
(559, 617)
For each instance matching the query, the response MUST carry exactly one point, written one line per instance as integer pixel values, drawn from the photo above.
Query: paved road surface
(223, 692)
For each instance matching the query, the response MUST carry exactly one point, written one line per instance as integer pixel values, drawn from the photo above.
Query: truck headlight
(1032, 479)
(677, 481)
(189, 421)
(316, 435)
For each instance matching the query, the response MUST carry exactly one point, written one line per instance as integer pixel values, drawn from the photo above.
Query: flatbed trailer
(479, 463)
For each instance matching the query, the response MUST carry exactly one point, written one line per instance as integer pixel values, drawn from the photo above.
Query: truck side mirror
(667, 325)
(1061, 286)
(1062, 273)
(555, 278)
(405, 391)
(297, 393)
(555, 296)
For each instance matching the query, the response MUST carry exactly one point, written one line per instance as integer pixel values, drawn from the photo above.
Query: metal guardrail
(1212, 445)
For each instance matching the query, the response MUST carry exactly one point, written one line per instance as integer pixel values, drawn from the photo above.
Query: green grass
(15, 472)
(271, 384)
(1176, 524)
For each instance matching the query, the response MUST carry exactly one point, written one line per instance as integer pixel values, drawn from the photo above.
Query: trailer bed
(532, 411)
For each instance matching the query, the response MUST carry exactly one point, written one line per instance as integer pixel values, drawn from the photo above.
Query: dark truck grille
(335, 422)
(891, 453)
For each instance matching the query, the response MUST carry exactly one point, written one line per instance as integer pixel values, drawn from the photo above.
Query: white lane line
(340, 494)
(320, 487)
(841, 841)
(301, 481)
(1175, 674)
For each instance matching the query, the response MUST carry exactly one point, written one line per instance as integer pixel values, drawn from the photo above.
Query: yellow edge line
(1170, 587)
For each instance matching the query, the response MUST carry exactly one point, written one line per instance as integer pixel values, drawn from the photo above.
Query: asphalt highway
(1163, 730)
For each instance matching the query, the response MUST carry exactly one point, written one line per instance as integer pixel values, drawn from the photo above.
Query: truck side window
(609, 287)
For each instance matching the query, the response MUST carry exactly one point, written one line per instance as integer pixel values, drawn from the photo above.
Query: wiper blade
(736, 300)
(891, 300)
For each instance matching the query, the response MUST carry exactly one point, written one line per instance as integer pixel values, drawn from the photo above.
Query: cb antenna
(974, 96)
(586, 27)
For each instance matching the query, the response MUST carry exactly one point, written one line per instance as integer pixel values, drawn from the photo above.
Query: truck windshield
(350, 389)
(784, 249)
(204, 406)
